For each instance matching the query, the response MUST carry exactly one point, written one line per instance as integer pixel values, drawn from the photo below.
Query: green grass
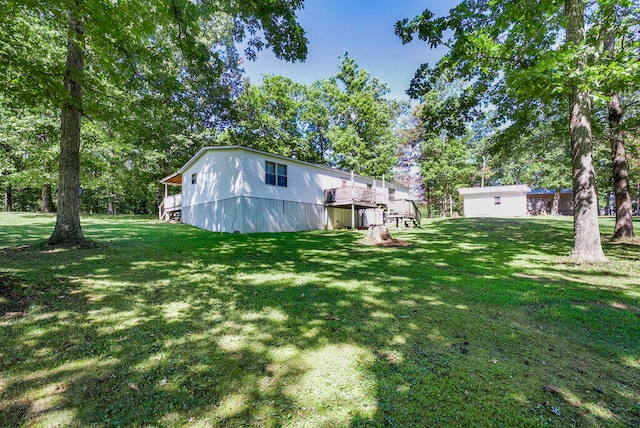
(167, 325)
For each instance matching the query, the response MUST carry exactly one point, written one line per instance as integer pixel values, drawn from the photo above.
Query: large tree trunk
(67, 229)
(586, 234)
(47, 199)
(622, 196)
(8, 198)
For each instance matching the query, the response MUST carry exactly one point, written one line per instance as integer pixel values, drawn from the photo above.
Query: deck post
(353, 208)
(353, 216)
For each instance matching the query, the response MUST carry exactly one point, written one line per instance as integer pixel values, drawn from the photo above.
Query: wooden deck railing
(405, 209)
(356, 195)
(169, 205)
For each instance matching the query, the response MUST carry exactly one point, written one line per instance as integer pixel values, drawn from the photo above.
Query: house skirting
(246, 214)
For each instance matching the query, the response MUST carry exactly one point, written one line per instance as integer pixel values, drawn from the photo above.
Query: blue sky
(365, 29)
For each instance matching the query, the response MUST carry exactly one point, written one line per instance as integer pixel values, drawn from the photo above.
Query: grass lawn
(480, 322)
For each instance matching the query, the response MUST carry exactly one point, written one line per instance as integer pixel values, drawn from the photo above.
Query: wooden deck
(359, 197)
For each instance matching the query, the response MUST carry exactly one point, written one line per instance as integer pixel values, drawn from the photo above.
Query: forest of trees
(95, 103)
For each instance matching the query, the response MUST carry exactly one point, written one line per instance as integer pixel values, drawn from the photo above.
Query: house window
(194, 178)
(496, 200)
(282, 175)
(270, 173)
(275, 174)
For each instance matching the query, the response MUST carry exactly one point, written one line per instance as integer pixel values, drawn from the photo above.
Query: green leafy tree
(515, 53)
(164, 51)
(614, 33)
(482, 133)
(344, 122)
(29, 141)
(271, 117)
(411, 137)
(445, 167)
(361, 131)
(444, 159)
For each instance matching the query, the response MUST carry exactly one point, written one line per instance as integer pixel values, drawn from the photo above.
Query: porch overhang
(173, 179)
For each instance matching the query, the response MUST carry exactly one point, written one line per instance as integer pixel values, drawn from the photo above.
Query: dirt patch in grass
(14, 296)
(390, 243)
(21, 251)
(17, 294)
(84, 244)
(30, 250)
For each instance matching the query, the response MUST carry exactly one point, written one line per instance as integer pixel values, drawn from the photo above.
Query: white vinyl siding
(399, 192)
(508, 205)
(217, 178)
(232, 192)
(305, 182)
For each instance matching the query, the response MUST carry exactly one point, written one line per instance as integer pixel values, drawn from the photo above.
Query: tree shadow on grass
(169, 325)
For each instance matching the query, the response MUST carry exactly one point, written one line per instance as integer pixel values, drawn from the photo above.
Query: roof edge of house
(206, 149)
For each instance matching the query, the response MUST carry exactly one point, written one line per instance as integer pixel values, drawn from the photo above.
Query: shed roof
(550, 192)
(494, 190)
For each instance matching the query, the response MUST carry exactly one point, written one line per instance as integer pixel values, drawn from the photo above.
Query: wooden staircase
(405, 211)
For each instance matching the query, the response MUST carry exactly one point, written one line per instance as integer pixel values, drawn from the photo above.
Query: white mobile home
(237, 189)
(495, 201)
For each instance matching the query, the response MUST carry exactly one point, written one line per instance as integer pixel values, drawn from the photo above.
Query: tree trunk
(586, 234)
(555, 205)
(607, 204)
(67, 229)
(47, 199)
(111, 204)
(484, 169)
(621, 194)
(8, 198)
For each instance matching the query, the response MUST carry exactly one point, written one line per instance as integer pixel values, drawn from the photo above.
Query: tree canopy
(109, 62)
(513, 55)
(343, 121)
